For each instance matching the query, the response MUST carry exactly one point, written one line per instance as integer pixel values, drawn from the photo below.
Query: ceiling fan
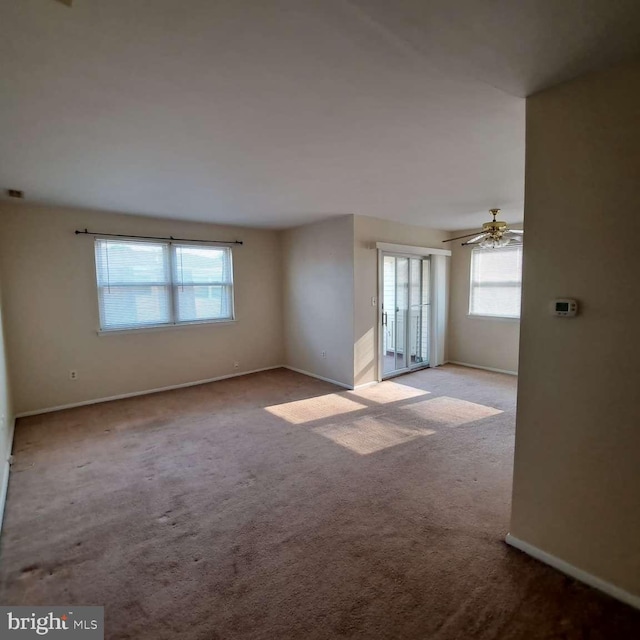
(494, 234)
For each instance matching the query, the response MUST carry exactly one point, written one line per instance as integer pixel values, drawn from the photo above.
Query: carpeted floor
(276, 506)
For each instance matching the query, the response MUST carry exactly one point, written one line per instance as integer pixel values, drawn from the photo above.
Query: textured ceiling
(277, 112)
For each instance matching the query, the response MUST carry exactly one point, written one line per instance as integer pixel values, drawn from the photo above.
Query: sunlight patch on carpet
(450, 412)
(317, 408)
(386, 392)
(369, 434)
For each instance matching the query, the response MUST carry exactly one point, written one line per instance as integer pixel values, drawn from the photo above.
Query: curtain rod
(122, 235)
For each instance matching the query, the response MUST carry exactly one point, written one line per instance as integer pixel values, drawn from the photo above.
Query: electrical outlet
(236, 365)
(73, 374)
(324, 354)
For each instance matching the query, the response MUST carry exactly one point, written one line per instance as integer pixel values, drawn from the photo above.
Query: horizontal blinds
(143, 284)
(134, 283)
(203, 283)
(496, 282)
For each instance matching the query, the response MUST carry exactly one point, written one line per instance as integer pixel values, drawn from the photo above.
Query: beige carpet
(276, 506)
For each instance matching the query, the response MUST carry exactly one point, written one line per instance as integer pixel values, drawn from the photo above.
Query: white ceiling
(277, 112)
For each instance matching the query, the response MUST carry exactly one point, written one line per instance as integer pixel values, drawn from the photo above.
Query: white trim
(574, 572)
(122, 396)
(315, 375)
(439, 309)
(162, 327)
(364, 385)
(379, 311)
(412, 250)
(478, 366)
(5, 474)
(478, 316)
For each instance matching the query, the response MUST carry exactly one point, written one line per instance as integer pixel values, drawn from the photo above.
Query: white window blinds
(496, 282)
(203, 282)
(148, 284)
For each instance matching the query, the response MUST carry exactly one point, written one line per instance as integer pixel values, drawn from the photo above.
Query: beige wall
(51, 310)
(368, 231)
(576, 488)
(483, 342)
(318, 298)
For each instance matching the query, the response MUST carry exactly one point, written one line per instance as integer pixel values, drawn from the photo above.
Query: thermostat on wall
(565, 307)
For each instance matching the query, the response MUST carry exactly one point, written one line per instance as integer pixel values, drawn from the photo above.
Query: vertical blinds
(496, 282)
(146, 284)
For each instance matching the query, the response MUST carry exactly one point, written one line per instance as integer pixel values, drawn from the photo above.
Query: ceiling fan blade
(460, 237)
(516, 231)
(474, 240)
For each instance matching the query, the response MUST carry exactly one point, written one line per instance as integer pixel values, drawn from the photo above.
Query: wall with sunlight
(367, 232)
(478, 341)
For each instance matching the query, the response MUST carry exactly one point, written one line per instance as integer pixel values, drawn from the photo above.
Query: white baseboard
(315, 375)
(364, 385)
(122, 396)
(574, 572)
(5, 473)
(477, 366)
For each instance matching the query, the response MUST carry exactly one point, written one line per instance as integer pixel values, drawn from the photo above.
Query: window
(496, 282)
(152, 284)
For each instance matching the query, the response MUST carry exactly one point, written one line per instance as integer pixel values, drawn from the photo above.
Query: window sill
(163, 327)
(499, 318)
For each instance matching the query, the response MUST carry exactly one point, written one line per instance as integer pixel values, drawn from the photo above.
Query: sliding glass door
(405, 313)
(395, 306)
(420, 312)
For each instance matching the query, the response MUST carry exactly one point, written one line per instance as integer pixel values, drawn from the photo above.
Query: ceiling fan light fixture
(491, 242)
(493, 235)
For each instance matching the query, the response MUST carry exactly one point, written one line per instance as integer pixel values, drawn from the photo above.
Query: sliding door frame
(439, 294)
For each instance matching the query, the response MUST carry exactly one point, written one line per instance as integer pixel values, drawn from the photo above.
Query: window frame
(171, 287)
(500, 317)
